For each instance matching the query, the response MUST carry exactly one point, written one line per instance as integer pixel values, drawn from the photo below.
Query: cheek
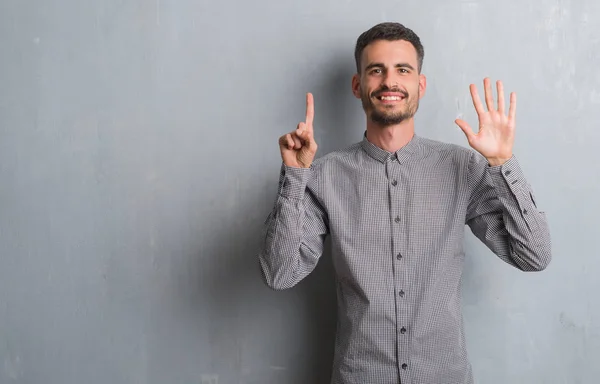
(368, 88)
(416, 88)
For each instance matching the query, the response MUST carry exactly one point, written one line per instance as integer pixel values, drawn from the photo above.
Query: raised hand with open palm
(495, 137)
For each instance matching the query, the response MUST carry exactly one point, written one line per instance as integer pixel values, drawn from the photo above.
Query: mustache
(388, 89)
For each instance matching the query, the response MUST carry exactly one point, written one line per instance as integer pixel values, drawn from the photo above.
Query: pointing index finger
(310, 109)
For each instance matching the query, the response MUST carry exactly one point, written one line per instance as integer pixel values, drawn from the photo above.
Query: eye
(376, 71)
(403, 70)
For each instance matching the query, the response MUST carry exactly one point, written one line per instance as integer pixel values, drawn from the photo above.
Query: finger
(299, 135)
(500, 88)
(464, 126)
(307, 138)
(304, 131)
(297, 141)
(310, 110)
(287, 141)
(476, 101)
(512, 111)
(290, 141)
(489, 98)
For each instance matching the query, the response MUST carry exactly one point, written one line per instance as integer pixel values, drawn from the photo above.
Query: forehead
(389, 53)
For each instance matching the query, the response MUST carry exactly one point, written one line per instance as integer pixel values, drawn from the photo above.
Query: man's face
(389, 83)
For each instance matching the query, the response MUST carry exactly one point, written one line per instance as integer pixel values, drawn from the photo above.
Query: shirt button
(399, 256)
(403, 330)
(401, 293)
(524, 211)
(507, 172)
(397, 220)
(394, 182)
(404, 366)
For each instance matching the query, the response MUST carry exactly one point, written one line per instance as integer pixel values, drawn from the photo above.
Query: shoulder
(432, 145)
(455, 152)
(336, 157)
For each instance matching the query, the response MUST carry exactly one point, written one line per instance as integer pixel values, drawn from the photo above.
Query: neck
(392, 137)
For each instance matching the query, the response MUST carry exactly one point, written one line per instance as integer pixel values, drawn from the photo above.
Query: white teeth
(390, 97)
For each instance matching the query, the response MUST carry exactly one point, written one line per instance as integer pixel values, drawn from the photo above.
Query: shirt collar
(381, 155)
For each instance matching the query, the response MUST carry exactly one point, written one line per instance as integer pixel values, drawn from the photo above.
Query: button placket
(396, 190)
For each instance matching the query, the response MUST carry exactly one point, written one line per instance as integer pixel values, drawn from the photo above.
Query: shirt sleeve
(503, 214)
(294, 231)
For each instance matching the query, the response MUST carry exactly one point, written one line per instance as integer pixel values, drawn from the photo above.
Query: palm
(495, 136)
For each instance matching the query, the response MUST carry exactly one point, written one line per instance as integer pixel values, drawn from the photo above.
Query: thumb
(303, 133)
(307, 138)
(464, 126)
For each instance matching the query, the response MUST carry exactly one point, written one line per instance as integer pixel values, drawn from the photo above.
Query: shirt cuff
(508, 177)
(293, 181)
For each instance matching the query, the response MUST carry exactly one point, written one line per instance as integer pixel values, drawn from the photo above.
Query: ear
(422, 85)
(356, 85)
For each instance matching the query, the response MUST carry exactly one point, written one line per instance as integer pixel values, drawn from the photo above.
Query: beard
(385, 115)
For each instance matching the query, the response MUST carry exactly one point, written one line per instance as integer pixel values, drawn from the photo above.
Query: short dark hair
(391, 32)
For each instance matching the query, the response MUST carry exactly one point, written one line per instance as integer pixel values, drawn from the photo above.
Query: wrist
(496, 161)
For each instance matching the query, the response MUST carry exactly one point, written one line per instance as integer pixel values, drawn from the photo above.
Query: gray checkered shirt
(397, 224)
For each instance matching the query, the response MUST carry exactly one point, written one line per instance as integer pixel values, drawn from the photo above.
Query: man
(395, 206)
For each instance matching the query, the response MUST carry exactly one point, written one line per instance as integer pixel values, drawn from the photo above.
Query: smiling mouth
(390, 98)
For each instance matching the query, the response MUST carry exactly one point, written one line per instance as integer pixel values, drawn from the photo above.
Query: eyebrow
(380, 65)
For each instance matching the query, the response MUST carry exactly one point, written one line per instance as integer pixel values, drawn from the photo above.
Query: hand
(298, 148)
(496, 130)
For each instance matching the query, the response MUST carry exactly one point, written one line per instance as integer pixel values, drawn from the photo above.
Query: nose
(390, 80)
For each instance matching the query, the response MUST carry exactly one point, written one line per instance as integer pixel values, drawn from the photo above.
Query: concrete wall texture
(139, 159)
